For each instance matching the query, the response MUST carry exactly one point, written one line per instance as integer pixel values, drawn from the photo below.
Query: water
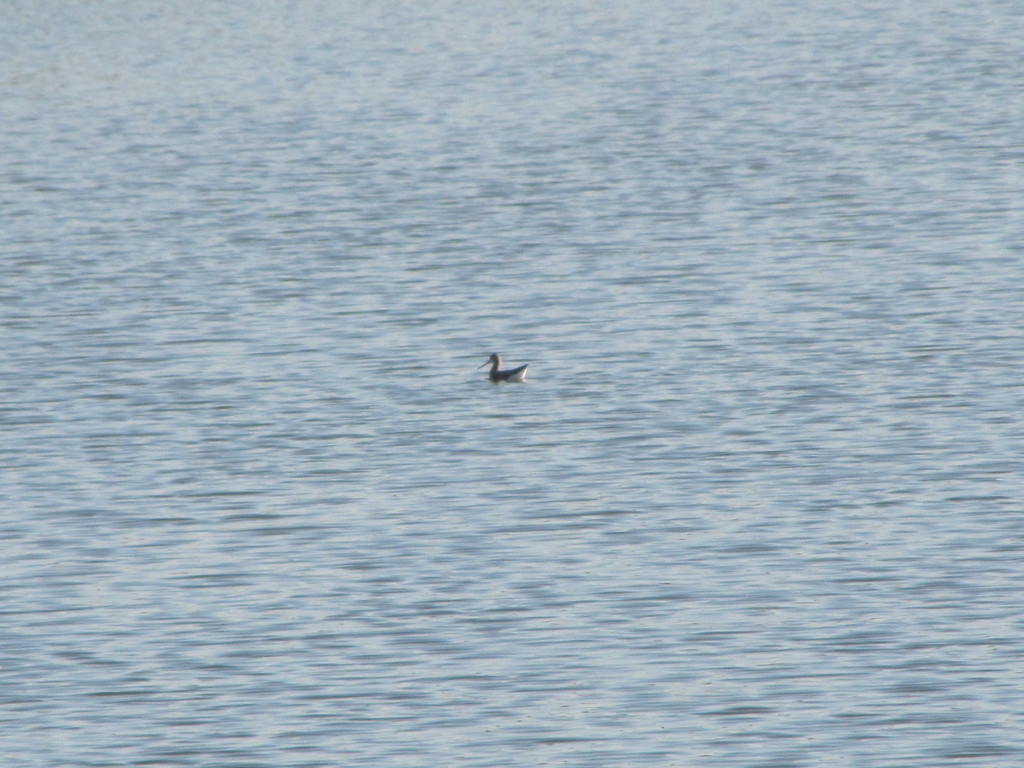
(758, 503)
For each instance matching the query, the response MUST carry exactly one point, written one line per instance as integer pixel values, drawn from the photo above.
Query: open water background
(758, 504)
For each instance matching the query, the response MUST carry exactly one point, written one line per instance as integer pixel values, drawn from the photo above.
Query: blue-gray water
(759, 502)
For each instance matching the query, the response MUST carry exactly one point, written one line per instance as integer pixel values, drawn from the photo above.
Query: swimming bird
(496, 374)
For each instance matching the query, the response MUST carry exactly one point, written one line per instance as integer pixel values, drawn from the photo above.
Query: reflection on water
(756, 503)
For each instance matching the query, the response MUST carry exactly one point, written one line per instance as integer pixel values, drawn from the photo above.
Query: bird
(496, 374)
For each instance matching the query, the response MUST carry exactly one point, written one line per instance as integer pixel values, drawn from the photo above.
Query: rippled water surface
(759, 502)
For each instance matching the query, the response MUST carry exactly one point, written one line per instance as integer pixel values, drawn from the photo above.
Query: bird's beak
(482, 365)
